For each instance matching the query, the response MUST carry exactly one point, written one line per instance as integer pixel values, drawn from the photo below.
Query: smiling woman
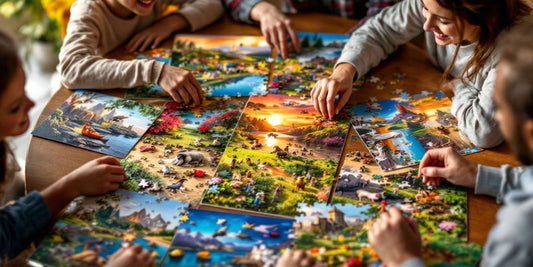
(460, 38)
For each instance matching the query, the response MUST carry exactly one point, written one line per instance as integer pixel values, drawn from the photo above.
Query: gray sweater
(510, 240)
(93, 31)
(472, 104)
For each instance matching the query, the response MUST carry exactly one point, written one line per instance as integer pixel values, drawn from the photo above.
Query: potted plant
(43, 26)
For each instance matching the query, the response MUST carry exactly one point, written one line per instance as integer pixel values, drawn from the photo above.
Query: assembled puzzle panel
(281, 153)
(398, 131)
(94, 228)
(209, 237)
(98, 122)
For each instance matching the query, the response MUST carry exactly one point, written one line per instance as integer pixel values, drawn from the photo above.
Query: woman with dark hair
(27, 218)
(460, 38)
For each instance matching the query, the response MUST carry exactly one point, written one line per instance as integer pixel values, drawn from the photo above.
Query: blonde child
(27, 218)
(97, 27)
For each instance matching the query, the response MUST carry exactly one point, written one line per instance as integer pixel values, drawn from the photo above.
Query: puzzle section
(224, 65)
(282, 152)
(336, 235)
(296, 75)
(178, 156)
(98, 122)
(207, 238)
(399, 131)
(94, 228)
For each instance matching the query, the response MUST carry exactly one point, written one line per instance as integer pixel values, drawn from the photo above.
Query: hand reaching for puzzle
(181, 85)
(295, 258)
(276, 27)
(445, 163)
(133, 255)
(395, 238)
(326, 90)
(96, 177)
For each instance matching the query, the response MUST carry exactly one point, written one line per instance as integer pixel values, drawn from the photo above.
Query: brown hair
(9, 62)
(492, 17)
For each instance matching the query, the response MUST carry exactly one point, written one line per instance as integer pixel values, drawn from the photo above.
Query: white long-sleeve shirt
(472, 104)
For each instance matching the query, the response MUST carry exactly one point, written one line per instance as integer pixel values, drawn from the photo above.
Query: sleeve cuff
(157, 69)
(36, 206)
(488, 181)
(246, 10)
(414, 262)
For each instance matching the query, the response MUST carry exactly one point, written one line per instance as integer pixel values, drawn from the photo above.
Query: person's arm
(200, 13)
(374, 7)
(276, 28)
(21, 222)
(474, 109)
(509, 241)
(497, 182)
(382, 34)
(240, 10)
(80, 67)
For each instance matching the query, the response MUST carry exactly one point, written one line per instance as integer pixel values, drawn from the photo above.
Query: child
(509, 242)
(29, 217)
(96, 27)
(460, 37)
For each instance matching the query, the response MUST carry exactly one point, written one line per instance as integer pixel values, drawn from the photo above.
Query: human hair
(516, 52)
(492, 17)
(9, 62)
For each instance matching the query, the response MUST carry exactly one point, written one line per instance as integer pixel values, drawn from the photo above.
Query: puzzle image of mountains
(178, 156)
(399, 131)
(227, 239)
(94, 228)
(98, 122)
(282, 152)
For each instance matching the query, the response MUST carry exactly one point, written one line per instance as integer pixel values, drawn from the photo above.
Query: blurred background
(38, 26)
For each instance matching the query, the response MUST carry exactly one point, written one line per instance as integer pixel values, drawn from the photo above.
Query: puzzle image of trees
(179, 154)
(282, 152)
(225, 65)
(94, 228)
(336, 235)
(297, 74)
(207, 238)
(399, 131)
(98, 122)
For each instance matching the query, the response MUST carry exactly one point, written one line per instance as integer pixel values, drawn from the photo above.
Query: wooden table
(47, 160)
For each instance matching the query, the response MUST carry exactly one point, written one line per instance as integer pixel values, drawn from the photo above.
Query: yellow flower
(58, 10)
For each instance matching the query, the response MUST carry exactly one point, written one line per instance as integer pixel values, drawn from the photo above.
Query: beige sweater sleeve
(90, 34)
(94, 31)
(200, 13)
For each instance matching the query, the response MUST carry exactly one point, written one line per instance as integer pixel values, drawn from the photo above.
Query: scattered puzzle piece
(397, 91)
(374, 79)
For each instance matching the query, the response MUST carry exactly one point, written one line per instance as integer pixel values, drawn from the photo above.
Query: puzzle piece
(405, 96)
(397, 91)
(374, 79)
